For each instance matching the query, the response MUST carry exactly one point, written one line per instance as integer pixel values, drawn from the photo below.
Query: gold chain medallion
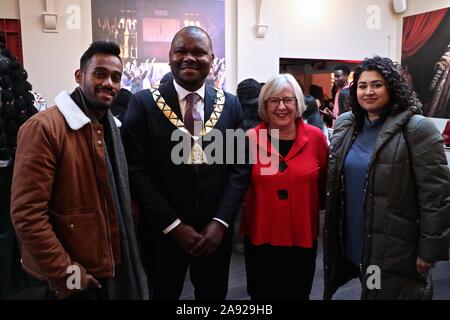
(197, 154)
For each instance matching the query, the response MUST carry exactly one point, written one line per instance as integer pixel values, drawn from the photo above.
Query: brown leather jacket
(62, 205)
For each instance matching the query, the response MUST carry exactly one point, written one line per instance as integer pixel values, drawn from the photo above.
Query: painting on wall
(144, 30)
(426, 59)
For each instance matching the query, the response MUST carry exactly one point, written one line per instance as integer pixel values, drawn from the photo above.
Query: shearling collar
(75, 118)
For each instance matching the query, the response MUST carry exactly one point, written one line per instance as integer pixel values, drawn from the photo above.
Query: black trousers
(9, 253)
(279, 273)
(166, 265)
(12, 278)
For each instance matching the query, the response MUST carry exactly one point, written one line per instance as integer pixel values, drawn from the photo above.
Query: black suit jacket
(343, 102)
(166, 191)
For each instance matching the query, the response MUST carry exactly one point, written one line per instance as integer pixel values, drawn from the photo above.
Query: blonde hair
(275, 85)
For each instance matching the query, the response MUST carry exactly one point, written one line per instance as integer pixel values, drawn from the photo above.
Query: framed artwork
(144, 30)
(426, 59)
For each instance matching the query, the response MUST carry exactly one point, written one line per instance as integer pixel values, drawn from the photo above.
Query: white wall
(9, 9)
(52, 58)
(231, 44)
(321, 29)
(336, 29)
(257, 58)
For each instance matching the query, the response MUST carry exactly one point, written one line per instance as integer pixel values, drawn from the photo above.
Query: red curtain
(418, 29)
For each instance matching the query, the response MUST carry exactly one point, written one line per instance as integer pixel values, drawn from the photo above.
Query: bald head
(191, 57)
(193, 31)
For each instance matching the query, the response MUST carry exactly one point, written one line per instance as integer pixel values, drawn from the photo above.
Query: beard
(99, 105)
(95, 103)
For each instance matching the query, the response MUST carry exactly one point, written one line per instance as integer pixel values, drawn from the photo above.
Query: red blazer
(269, 216)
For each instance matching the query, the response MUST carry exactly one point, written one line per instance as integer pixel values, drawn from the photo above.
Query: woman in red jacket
(281, 213)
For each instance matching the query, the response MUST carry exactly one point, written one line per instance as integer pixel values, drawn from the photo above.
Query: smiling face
(100, 80)
(372, 93)
(282, 115)
(190, 58)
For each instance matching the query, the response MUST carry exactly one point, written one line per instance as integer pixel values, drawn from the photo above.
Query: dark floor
(238, 291)
(351, 291)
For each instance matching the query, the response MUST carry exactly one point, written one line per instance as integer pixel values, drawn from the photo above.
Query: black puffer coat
(16, 103)
(16, 106)
(407, 207)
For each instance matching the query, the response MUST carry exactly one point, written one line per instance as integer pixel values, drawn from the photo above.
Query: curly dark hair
(402, 97)
(16, 102)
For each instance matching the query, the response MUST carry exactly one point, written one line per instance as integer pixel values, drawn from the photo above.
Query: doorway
(11, 29)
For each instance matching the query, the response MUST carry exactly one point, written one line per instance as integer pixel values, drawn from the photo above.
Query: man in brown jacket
(70, 197)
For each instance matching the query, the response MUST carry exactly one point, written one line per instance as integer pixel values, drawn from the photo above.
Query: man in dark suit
(186, 210)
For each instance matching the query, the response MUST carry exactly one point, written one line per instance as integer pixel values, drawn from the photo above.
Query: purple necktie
(192, 116)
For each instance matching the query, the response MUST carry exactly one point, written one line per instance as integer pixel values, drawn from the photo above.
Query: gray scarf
(130, 281)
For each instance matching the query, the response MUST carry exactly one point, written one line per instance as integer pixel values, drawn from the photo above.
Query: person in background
(70, 201)
(166, 78)
(341, 74)
(248, 92)
(312, 116)
(120, 104)
(280, 221)
(388, 190)
(317, 93)
(343, 100)
(324, 108)
(17, 104)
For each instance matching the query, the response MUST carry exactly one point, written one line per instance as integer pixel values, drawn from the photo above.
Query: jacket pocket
(78, 232)
(401, 246)
(403, 227)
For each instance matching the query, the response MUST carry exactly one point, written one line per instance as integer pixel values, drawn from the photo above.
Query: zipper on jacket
(365, 185)
(342, 207)
(106, 205)
(365, 292)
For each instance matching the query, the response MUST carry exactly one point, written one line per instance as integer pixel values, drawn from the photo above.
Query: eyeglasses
(287, 101)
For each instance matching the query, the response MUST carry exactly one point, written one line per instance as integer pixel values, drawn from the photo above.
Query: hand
(423, 267)
(329, 113)
(88, 281)
(211, 238)
(185, 236)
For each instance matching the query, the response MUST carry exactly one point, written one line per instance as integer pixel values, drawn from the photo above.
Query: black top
(283, 146)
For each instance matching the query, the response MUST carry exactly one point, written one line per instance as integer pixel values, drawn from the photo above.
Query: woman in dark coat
(16, 106)
(388, 190)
